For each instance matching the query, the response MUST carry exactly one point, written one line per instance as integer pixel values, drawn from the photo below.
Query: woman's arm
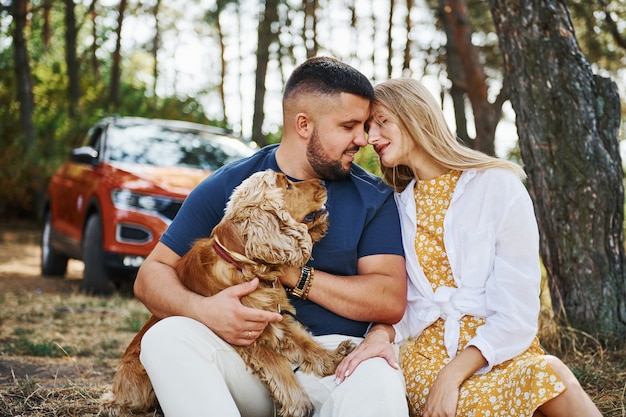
(444, 394)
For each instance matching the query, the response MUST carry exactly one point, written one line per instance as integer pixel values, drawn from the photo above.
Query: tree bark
(310, 27)
(458, 30)
(116, 71)
(156, 46)
(71, 60)
(46, 30)
(265, 39)
(223, 63)
(457, 78)
(567, 121)
(93, 16)
(23, 73)
(390, 49)
(406, 59)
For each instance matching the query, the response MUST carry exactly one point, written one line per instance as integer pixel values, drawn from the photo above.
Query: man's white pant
(195, 373)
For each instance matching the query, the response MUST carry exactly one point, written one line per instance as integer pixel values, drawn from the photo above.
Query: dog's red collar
(225, 256)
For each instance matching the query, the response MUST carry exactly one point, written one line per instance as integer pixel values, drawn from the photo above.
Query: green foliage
(368, 159)
(136, 321)
(275, 136)
(24, 173)
(23, 344)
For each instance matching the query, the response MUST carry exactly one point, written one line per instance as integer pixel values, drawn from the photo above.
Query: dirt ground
(97, 330)
(83, 337)
(20, 255)
(20, 274)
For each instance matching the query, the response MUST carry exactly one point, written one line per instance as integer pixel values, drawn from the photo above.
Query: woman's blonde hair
(420, 118)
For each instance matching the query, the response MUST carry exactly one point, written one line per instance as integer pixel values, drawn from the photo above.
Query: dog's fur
(270, 222)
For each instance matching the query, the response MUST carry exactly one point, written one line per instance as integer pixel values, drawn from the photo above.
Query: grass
(601, 372)
(59, 352)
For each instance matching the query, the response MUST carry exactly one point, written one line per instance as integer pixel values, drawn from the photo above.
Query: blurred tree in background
(65, 64)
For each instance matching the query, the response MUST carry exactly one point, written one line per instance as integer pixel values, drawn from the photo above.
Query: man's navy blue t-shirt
(362, 215)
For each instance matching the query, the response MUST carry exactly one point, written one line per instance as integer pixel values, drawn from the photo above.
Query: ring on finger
(249, 335)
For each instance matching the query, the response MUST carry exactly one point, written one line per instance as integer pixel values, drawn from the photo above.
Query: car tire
(95, 276)
(52, 264)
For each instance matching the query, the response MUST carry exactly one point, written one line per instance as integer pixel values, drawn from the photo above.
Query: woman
(472, 255)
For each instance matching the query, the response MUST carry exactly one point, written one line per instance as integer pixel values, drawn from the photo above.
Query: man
(359, 271)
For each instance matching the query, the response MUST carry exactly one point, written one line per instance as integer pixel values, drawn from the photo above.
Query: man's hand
(237, 324)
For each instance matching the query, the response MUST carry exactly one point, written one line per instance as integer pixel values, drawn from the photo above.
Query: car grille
(171, 209)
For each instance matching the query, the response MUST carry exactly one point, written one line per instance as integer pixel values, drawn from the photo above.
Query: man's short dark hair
(328, 76)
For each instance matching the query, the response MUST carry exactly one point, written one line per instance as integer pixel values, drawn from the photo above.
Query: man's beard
(321, 163)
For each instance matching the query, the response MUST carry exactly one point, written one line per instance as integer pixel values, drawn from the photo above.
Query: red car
(113, 198)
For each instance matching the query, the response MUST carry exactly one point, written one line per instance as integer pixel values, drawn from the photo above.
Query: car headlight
(128, 200)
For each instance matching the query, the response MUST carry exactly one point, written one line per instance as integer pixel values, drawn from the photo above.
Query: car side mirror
(84, 155)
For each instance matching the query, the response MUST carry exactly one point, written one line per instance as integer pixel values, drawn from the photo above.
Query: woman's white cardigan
(492, 243)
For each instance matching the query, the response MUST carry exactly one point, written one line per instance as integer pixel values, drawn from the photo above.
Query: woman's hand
(376, 344)
(442, 398)
(444, 394)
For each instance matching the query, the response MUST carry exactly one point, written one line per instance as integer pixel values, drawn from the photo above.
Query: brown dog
(270, 222)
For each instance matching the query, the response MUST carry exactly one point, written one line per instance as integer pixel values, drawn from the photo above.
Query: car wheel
(52, 264)
(95, 276)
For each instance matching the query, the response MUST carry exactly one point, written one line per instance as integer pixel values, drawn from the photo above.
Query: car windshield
(169, 147)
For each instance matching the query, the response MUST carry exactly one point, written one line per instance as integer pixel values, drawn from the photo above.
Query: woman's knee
(565, 374)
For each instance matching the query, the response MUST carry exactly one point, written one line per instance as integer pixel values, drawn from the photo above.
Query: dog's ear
(274, 237)
(270, 234)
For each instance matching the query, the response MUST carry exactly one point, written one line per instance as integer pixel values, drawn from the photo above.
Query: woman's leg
(574, 401)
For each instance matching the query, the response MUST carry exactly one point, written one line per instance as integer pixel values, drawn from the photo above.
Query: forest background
(557, 68)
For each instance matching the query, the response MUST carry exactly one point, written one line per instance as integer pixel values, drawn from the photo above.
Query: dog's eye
(288, 185)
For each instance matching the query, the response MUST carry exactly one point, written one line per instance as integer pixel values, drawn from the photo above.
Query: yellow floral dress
(514, 388)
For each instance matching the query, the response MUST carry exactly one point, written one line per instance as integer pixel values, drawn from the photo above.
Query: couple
(466, 226)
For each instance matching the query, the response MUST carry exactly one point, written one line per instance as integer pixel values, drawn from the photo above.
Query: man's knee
(167, 336)
(380, 378)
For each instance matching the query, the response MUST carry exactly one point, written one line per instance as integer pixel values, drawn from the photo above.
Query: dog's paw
(299, 409)
(345, 348)
(108, 406)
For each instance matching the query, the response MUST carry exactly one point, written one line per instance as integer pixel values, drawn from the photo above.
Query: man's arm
(377, 294)
(158, 287)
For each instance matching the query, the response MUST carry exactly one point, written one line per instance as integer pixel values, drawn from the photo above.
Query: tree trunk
(310, 27)
(156, 46)
(93, 16)
(567, 121)
(456, 23)
(265, 39)
(23, 73)
(223, 63)
(71, 60)
(406, 60)
(46, 31)
(390, 49)
(116, 72)
(457, 78)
